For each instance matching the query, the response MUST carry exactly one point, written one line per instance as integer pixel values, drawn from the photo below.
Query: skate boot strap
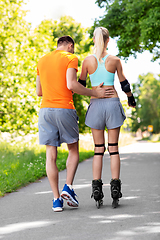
(116, 182)
(97, 182)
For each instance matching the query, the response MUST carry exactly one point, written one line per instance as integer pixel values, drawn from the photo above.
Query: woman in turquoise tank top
(105, 112)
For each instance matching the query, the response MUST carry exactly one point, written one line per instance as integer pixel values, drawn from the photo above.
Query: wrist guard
(125, 86)
(131, 101)
(83, 82)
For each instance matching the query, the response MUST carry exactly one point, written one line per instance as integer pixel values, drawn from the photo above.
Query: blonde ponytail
(101, 34)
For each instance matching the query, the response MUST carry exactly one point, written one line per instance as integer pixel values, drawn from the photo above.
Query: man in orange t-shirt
(52, 71)
(58, 120)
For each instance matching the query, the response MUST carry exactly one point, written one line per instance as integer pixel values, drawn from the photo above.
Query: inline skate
(97, 193)
(115, 191)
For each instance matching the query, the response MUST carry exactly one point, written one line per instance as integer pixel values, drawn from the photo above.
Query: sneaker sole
(70, 200)
(58, 209)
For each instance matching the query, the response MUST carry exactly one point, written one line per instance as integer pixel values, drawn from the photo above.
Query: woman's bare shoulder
(90, 57)
(115, 58)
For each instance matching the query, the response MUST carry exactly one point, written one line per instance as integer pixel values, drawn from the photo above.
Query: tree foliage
(147, 111)
(135, 23)
(16, 84)
(20, 50)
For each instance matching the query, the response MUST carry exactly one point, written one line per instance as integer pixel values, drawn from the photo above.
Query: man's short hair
(65, 40)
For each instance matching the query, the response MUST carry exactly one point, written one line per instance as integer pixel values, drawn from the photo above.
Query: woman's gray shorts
(105, 112)
(58, 125)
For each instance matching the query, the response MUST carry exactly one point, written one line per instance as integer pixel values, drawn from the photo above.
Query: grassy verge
(152, 138)
(23, 162)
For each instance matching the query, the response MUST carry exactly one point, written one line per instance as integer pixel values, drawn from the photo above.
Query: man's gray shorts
(105, 112)
(58, 125)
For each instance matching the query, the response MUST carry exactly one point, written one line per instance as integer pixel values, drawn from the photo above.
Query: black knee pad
(112, 144)
(100, 145)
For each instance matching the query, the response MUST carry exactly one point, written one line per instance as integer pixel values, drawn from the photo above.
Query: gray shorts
(58, 125)
(105, 112)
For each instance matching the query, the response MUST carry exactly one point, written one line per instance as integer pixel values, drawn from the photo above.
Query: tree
(20, 50)
(135, 23)
(147, 111)
(14, 96)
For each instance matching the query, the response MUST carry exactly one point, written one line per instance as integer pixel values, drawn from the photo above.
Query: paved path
(27, 214)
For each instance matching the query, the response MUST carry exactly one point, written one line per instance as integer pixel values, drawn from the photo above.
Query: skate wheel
(115, 203)
(99, 203)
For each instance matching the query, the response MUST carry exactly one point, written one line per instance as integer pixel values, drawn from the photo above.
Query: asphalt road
(27, 214)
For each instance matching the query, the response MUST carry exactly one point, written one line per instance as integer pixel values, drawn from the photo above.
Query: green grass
(22, 163)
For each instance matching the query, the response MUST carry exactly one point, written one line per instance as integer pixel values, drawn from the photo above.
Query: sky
(85, 12)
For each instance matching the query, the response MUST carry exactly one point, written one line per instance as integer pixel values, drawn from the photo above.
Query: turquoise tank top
(101, 74)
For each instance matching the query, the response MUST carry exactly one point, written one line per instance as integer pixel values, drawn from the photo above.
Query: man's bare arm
(38, 87)
(78, 88)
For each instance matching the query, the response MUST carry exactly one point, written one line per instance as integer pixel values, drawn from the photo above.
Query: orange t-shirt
(52, 70)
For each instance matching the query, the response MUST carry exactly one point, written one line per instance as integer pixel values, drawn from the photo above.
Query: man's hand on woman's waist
(102, 92)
